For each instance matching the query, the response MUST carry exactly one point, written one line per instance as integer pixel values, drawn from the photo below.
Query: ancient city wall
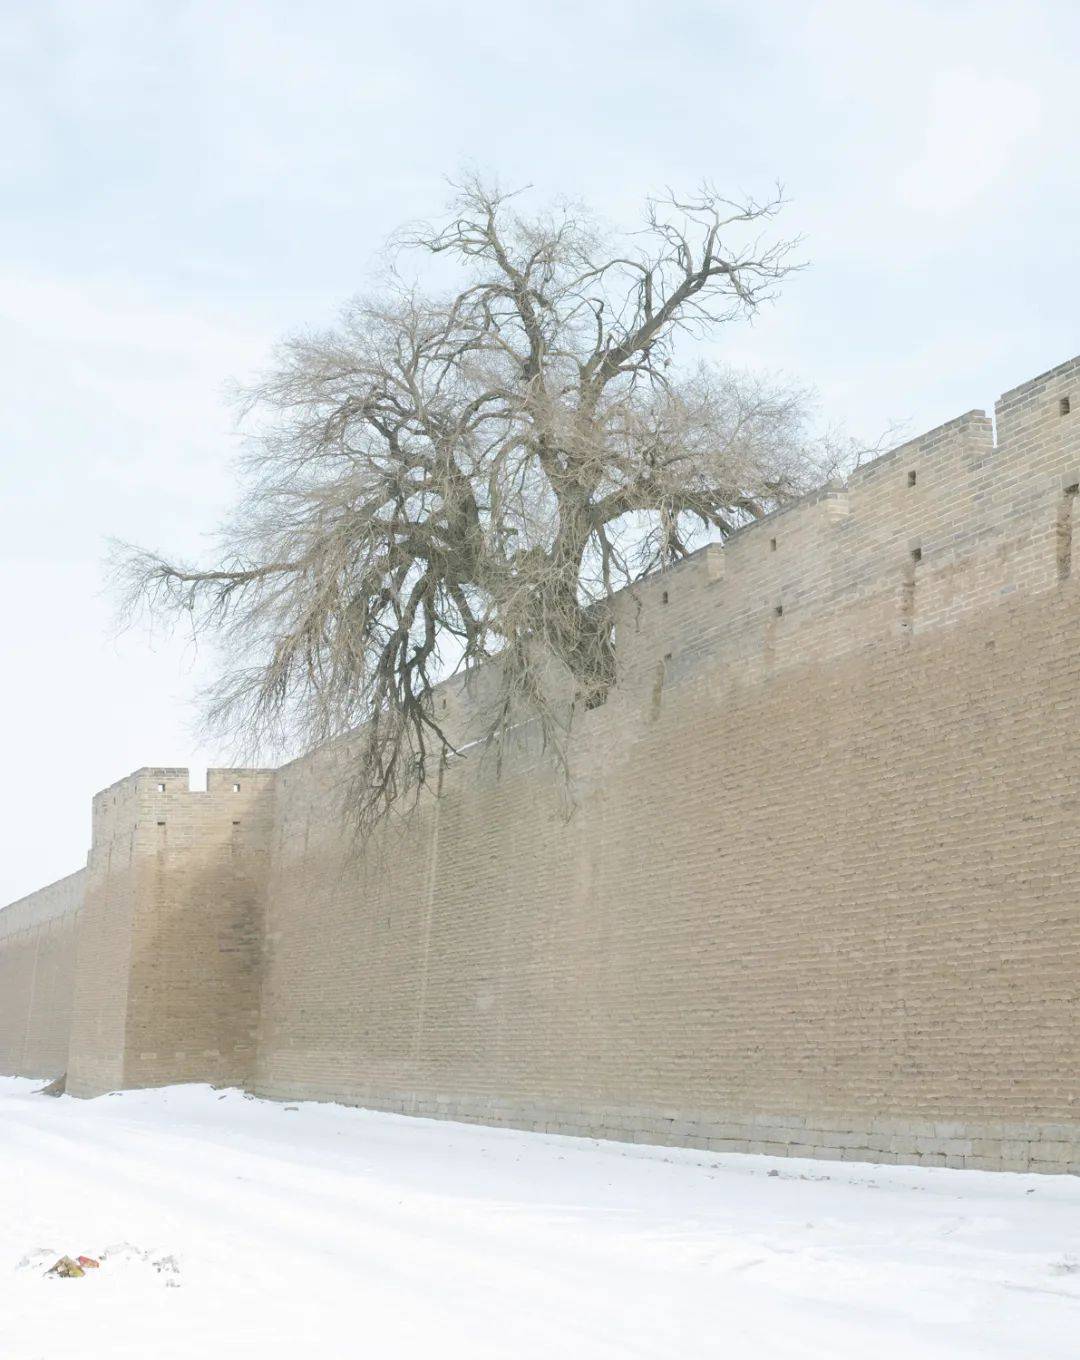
(819, 894)
(37, 971)
(820, 891)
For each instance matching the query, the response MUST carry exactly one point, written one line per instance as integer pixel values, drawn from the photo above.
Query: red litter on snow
(68, 1269)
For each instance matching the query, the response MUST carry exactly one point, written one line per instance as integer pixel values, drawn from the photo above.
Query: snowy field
(321, 1232)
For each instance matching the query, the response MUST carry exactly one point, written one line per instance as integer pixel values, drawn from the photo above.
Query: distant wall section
(38, 936)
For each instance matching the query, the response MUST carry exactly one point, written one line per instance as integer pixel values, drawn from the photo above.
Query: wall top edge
(214, 774)
(975, 422)
(27, 906)
(1063, 370)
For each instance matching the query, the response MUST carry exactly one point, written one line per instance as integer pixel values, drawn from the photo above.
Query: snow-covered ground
(317, 1232)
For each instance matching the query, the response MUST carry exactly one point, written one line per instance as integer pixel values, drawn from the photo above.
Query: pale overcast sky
(184, 182)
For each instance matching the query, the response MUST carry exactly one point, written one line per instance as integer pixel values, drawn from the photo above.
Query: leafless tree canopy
(446, 478)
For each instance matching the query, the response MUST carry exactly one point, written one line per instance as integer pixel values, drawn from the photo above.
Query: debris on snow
(67, 1269)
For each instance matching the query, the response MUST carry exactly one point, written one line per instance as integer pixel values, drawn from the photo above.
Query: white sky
(185, 181)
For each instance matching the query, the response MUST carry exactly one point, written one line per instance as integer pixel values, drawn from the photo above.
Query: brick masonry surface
(818, 894)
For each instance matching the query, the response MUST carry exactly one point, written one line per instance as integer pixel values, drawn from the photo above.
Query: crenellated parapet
(945, 524)
(158, 795)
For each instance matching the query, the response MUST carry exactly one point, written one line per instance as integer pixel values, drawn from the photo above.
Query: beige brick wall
(820, 891)
(818, 896)
(193, 995)
(104, 949)
(37, 964)
(167, 986)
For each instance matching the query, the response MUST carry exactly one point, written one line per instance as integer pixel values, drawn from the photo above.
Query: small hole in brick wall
(912, 478)
(1064, 406)
(236, 788)
(778, 610)
(664, 598)
(161, 823)
(161, 788)
(916, 554)
(1072, 490)
(667, 656)
(236, 823)
(772, 544)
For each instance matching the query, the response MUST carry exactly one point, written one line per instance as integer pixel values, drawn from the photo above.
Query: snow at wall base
(337, 1232)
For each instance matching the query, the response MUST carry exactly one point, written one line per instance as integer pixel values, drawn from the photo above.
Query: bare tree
(446, 479)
